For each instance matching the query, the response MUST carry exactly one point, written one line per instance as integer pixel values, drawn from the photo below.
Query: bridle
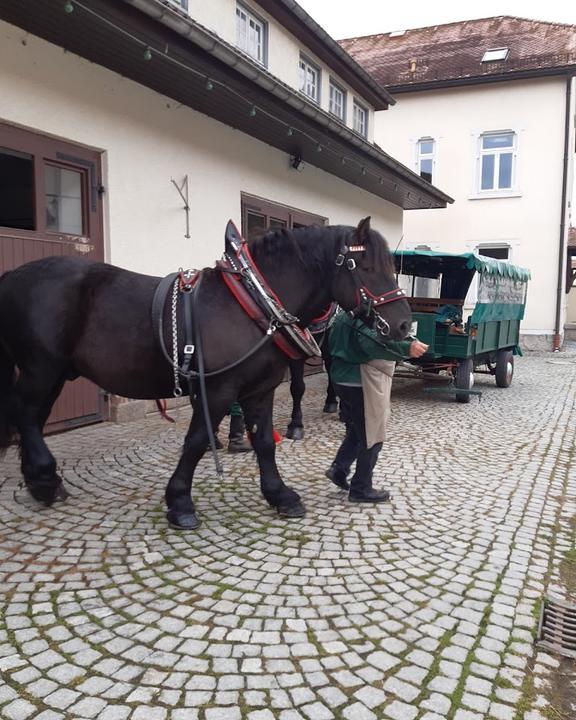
(367, 302)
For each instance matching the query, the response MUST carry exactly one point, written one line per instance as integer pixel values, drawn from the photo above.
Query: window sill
(495, 195)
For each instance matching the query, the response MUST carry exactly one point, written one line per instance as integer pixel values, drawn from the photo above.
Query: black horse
(62, 318)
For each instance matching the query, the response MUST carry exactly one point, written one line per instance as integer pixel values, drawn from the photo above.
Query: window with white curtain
(360, 119)
(309, 79)
(251, 34)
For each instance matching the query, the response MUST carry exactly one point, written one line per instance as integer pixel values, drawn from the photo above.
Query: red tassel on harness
(275, 434)
(162, 409)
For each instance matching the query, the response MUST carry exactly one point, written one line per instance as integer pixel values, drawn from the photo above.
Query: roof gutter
(478, 79)
(224, 52)
(557, 340)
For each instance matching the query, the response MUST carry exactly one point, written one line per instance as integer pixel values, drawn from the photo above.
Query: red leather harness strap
(252, 309)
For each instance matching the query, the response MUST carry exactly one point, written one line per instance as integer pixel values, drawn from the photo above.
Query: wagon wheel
(464, 379)
(504, 368)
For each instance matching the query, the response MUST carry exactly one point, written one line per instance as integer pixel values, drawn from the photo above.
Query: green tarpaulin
(442, 262)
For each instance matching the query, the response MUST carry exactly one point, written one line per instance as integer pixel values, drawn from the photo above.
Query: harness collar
(259, 301)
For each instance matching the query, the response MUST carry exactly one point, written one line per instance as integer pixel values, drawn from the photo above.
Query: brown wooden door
(50, 204)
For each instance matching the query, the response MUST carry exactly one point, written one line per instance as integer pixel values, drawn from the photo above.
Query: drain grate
(557, 627)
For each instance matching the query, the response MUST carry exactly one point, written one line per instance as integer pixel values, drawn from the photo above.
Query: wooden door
(50, 204)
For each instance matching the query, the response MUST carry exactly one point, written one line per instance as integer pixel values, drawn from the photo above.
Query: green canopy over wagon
(467, 308)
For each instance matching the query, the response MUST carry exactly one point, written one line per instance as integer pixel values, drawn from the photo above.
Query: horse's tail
(7, 381)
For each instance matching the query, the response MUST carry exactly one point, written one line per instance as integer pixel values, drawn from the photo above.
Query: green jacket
(352, 343)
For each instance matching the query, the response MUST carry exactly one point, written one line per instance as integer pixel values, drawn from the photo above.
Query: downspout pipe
(557, 339)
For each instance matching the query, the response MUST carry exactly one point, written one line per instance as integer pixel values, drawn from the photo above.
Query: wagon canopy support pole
(183, 192)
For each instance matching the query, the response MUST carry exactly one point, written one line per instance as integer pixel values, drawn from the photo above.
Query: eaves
(195, 67)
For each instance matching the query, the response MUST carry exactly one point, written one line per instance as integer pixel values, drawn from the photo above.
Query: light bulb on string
(252, 111)
(318, 148)
(68, 7)
(209, 84)
(290, 132)
(147, 54)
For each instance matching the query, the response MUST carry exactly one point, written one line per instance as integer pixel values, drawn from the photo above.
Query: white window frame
(472, 294)
(513, 190)
(426, 156)
(182, 4)
(357, 109)
(309, 68)
(334, 86)
(257, 51)
(495, 55)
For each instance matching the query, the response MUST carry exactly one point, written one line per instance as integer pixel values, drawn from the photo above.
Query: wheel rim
(509, 371)
(471, 380)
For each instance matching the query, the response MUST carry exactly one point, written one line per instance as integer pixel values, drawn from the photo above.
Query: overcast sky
(348, 18)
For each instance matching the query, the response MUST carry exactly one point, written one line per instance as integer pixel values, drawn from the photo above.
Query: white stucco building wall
(283, 51)
(528, 221)
(147, 139)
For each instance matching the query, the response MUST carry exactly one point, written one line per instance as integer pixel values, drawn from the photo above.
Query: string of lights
(149, 53)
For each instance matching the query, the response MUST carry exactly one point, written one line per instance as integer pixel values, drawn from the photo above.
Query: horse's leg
(331, 404)
(181, 511)
(258, 415)
(35, 392)
(295, 429)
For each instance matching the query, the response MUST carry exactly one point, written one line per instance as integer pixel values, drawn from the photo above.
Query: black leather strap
(157, 311)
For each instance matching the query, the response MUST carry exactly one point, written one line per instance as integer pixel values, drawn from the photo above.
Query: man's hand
(417, 349)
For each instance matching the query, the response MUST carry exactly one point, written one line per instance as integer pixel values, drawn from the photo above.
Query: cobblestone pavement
(425, 608)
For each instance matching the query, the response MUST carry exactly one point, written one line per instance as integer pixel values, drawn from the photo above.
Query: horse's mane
(316, 246)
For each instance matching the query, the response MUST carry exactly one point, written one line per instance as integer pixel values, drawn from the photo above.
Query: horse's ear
(363, 229)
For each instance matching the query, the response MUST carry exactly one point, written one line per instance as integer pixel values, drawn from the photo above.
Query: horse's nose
(404, 328)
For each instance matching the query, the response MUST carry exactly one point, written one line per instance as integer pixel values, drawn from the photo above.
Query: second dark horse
(61, 318)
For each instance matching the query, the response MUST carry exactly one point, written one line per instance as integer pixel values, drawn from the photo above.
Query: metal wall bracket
(183, 192)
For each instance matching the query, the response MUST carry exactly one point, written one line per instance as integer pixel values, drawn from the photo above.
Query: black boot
(237, 442)
(337, 476)
(365, 493)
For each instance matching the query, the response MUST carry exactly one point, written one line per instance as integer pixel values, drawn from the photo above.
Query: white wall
(283, 50)
(147, 140)
(530, 223)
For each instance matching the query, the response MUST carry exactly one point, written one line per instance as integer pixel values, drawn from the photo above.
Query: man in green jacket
(362, 369)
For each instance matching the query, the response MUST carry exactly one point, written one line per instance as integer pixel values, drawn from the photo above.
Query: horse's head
(365, 283)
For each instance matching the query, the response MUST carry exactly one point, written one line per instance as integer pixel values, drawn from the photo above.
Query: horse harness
(259, 302)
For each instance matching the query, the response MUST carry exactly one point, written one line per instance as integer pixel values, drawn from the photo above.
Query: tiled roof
(425, 56)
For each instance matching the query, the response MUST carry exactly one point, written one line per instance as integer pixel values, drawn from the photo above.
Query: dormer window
(495, 54)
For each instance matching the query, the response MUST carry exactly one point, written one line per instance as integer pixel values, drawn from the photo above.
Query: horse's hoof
(295, 433)
(62, 493)
(330, 407)
(292, 511)
(43, 493)
(183, 521)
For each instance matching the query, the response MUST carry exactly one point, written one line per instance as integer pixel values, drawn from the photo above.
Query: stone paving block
(18, 710)
(400, 711)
